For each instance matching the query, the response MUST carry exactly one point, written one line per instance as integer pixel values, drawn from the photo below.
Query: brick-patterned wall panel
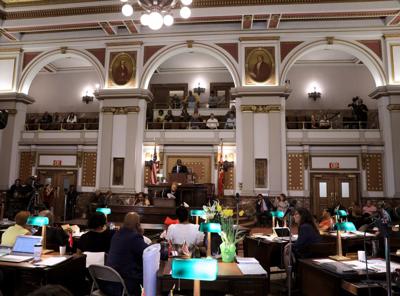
(295, 171)
(25, 165)
(200, 166)
(147, 175)
(229, 178)
(89, 169)
(373, 167)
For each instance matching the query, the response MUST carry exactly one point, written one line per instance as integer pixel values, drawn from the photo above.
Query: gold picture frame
(122, 69)
(260, 66)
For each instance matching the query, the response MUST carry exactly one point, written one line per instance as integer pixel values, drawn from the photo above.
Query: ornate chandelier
(157, 12)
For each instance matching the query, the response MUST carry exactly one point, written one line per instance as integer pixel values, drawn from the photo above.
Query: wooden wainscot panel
(89, 163)
(373, 167)
(295, 171)
(26, 163)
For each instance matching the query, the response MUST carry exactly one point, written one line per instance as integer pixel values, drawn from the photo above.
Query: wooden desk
(349, 244)
(268, 253)
(23, 278)
(230, 280)
(195, 195)
(316, 280)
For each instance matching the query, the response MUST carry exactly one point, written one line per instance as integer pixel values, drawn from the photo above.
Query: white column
(16, 104)
(389, 121)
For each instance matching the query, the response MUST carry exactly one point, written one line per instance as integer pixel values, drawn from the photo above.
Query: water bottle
(112, 226)
(37, 252)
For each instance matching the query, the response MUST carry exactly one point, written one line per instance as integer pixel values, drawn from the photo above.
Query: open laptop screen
(26, 243)
(282, 231)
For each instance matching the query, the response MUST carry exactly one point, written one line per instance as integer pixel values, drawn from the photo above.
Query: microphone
(237, 197)
(289, 210)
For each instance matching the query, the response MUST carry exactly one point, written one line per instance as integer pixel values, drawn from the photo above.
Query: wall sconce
(199, 90)
(314, 95)
(87, 99)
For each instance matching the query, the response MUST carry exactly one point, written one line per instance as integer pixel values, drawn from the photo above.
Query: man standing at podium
(179, 168)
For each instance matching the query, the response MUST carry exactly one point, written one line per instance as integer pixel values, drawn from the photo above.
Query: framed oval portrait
(123, 68)
(260, 65)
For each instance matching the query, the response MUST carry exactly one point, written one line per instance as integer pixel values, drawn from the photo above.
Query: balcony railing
(188, 125)
(331, 125)
(60, 126)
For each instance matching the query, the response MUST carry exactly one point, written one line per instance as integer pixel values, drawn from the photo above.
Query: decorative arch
(370, 60)
(170, 51)
(33, 68)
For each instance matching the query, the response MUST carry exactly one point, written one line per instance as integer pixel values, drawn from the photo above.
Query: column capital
(124, 93)
(14, 97)
(260, 108)
(385, 91)
(261, 91)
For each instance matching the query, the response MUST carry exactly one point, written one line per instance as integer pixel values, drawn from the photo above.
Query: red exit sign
(334, 165)
(57, 162)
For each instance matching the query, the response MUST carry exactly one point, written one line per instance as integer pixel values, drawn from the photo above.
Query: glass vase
(228, 252)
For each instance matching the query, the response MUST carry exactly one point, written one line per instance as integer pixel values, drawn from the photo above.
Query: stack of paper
(248, 265)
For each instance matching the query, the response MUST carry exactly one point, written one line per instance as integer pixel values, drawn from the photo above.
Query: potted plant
(230, 235)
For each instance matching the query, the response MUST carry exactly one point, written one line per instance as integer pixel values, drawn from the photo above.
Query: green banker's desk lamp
(210, 228)
(195, 269)
(105, 211)
(276, 214)
(197, 214)
(40, 221)
(342, 226)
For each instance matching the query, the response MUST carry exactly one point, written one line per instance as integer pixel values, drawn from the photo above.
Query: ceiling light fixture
(157, 12)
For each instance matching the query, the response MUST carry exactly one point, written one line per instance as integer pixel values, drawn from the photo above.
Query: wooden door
(60, 180)
(330, 189)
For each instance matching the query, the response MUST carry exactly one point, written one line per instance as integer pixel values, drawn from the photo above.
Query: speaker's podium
(178, 177)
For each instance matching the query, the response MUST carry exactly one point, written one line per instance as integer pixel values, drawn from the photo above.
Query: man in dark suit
(179, 168)
(263, 208)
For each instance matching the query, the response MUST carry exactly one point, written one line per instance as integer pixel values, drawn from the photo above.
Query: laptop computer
(23, 249)
(282, 232)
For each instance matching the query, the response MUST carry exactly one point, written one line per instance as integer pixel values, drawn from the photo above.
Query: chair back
(94, 258)
(107, 280)
(151, 265)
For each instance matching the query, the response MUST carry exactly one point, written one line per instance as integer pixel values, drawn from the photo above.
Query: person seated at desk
(184, 231)
(326, 222)
(173, 191)
(20, 228)
(263, 208)
(369, 208)
(308, 235)
(142, 200)
(126, 253)
(55, 236)
(98, 238)
(179, 168)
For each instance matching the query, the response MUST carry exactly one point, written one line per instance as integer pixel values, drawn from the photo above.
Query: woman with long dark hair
(308, 234)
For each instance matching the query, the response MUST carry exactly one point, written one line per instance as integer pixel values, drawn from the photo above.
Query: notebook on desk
(23, 249)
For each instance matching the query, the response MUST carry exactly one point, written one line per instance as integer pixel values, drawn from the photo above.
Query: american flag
(154, 167)
(221, 173)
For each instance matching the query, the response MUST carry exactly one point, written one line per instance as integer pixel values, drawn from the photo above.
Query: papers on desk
(374, 265)
(352, 234)
(51, 261)
(249, 265)
(273, 238)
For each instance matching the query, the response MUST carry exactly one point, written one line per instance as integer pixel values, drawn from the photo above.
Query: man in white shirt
(212, 122)
(184, 231)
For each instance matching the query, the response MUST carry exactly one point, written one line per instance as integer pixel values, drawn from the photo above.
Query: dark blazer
(182, 169)
(268, 203)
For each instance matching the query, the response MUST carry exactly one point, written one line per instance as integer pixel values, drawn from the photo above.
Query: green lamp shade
(341, 213)
(197, 213)
(195, 269)
(38, 221)
(277, 214)
(105, 211)
(345, 226)
(210, 227)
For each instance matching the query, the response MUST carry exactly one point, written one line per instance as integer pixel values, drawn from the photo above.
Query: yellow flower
(227, 213)
(241, 213)
(219, 208)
